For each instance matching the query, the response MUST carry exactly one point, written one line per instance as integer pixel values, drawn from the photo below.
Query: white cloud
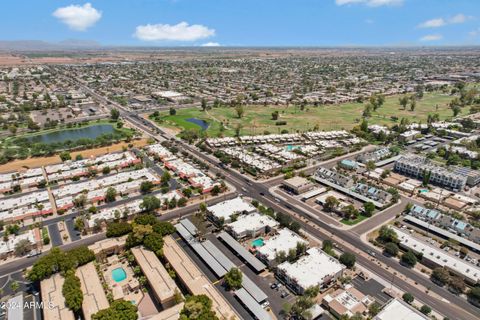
(77, 17)
(178, 32)
(211, 44)
(370, 3)
(433, 23)
(474, 33)
(431, 37)
(459, 18)
(440, 22)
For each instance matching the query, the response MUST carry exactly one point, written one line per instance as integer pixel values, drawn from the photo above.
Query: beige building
(298, 185)
(94, 298)
(103, 249)
(348, 301)
(160, 281)
(172, 313)
(51, 289)
(194, 280)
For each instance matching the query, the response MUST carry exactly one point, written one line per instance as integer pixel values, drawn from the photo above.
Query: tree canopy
(233, 279)
(198, 307)
(118, 310)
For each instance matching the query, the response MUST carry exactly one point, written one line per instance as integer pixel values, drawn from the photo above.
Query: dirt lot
(43, 161)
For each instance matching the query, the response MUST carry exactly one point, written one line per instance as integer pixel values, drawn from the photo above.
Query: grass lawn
(359, 219)
(258, 119)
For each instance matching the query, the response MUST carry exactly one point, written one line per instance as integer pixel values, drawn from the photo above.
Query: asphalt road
(453, 307)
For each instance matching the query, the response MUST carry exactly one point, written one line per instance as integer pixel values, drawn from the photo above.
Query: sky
(245, 22)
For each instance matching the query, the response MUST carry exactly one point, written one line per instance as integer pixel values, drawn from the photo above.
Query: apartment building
(417, 166)
(284, 241)
(251, 225)
(335, 177)
(315, 268)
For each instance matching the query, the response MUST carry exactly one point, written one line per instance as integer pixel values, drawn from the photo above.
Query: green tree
(197, 307)
(331, 203)
(387, 234)
(408, 297)
(391, 249)
(117, 229)
(233, 279)
(348, 259)
(118, 310)
(425, 309)
(204, 104)
(72, 291)
(114, 114)
(110, 194)
(150, 203)
(457, 284)
(368, 209)
(22, 247)
(374, 309)
(474, 295)
(403, 100)
(440, 276)
(154, 242)
(172, 111)
(240, 111)
(14, 286)
(409, 259)
(65, 155)
(146, 186)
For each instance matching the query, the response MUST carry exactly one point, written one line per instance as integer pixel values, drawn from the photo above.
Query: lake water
(201, 123)
(90, 132)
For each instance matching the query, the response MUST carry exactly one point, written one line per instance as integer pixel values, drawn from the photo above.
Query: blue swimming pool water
(119, 274)
(258, 242)
(291, 147)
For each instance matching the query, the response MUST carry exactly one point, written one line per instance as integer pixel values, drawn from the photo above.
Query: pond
(90, 132)
(199, 122)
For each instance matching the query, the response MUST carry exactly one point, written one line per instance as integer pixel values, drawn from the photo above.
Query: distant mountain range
(38, 45)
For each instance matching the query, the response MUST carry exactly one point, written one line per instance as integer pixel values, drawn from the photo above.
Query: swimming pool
(119, 274)
(291, 148)
(423, 190)
(258, 242)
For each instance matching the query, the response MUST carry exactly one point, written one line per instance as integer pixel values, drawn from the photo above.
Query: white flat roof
(439, 256)
(312, 268)
(283, 241)
(398, 310)
(226, 208)
(252, 221)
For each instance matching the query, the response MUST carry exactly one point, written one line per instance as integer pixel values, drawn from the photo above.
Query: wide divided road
(452, 307)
